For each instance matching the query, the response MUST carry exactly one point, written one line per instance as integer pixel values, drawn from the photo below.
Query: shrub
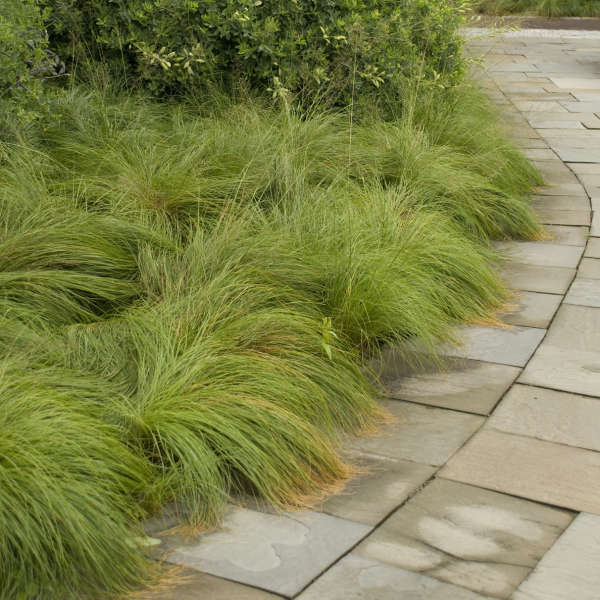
(25, 60)
(314, 47)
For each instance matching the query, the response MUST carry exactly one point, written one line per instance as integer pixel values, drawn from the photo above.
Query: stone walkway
(489, 484)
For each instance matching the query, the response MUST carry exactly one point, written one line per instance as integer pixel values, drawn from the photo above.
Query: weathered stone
(281, 553)
(539, 154)
(549, 415)
(593, 248)
(466, 385)
(589, 268)
(535, 469)
(512, 346)
(188, 584)
(539, 124)
(544, 255)
(532, 309)
(569, 357)
(358, 578)
(540, 106)
(584, 292)
(421, 434)
(569, 570)
(572, 83)
(582, 107)
(485, 541)
(560, 203)
(571, 236)
(551, 216)
(579, 155)
(385, 485)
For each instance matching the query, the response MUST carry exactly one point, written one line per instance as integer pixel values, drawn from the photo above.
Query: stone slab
(584, 292)
(478, 539)
(563, 189)
(579, 155)
(535, 469)
(421, 434)
(582, 107)
(358, 578)
(569, 570)
(192, 585)
(589, 268)
(569, 235)
(281, 553)
(539, 154)
(540, 124)
(467, 385)
(531, 106)
(552, 216)
(595, 228)
(560, 203)
(532, 309)
(543, 255)
(511, 346)
(384, 486)
(549, 415)
(593, 248)
(576, 83)
(569, 357)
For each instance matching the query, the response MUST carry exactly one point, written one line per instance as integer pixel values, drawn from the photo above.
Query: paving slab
(556, 202)
(508, 346)
(358, 578)
(549, 415)
(471, 537)
(569, 235)
(595, 228)
(589, 268)
(576, 83)
(593, 248)
(541, 106)
(539, 154)
(522, 466)
(584, 292)
(569, 357)
(192, 585)
(466, 385)
(551, 216)
(579, 155)
(569, 570)
(544, 255)
(421, 434)
(563, 189)
(532, 309)
(385, 485)
(531, 278)
(281, 553)
(582, 107)
(541, 124)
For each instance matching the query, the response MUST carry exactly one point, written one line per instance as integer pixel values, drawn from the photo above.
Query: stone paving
(488, 484)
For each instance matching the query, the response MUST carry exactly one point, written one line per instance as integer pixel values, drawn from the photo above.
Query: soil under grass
(189, 295)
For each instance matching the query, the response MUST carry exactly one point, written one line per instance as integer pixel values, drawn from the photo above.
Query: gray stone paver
(466, 385)
(358, 578)
(422, 434)
(570, 568)
(478, 539)
(280, 553)
(386, 484)
(549, 415)
(508, 346)
(530, 468)
(540, 443)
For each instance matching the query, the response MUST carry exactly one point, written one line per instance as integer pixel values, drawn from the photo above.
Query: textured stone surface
(512, 346)
(467, 385)
(553, 216)
(529, 468)
(593, 248)
(475, 538)
(589, 268)
(573, 83)
(549, 415)
(569, 357)
(559, 203)
(421, 434)
(358, 578)
(584, 292)
(192, 585)
(571, 236)
(387, 483)
(532, 309)
(569, 571)
(543, 255)
(279, 553)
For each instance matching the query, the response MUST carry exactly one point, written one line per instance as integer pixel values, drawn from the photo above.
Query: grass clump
(545, 8)
(189, 294)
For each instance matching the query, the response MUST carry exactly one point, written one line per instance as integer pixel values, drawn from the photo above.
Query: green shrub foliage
(25, 60)
(315, 47)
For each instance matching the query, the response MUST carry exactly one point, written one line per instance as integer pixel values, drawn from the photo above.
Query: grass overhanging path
(188, 296)
(545, 8)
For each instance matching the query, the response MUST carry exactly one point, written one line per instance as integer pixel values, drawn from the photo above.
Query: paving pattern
(488, 484)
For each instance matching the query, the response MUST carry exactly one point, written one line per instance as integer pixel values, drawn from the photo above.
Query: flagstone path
(488, 486)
